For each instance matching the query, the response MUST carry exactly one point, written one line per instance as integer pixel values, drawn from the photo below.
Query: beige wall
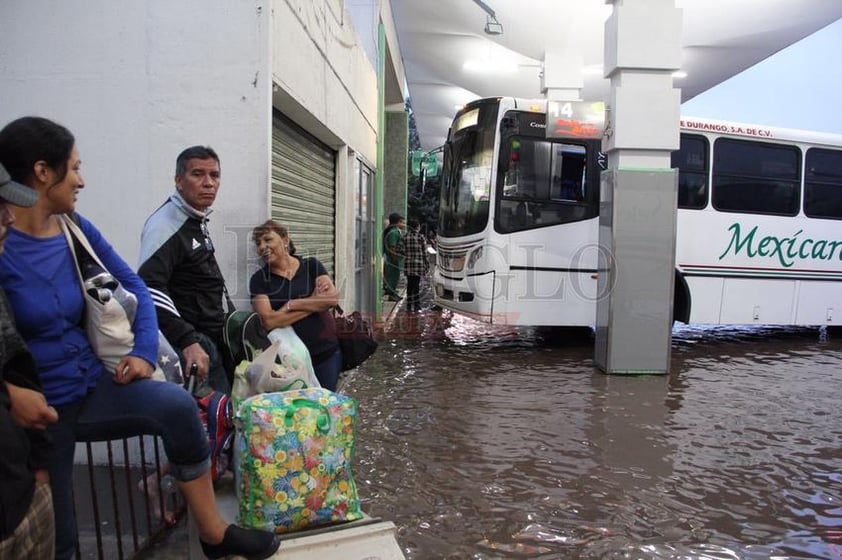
(325, 81)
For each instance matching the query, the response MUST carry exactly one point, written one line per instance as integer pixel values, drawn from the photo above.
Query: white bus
(759, 225)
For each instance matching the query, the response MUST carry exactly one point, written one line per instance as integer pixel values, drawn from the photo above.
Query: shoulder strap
(82, 251)
(228, 303)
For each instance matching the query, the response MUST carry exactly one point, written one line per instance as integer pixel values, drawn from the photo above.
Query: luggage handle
(322, 421)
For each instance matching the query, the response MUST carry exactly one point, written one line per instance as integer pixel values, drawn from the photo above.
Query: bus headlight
(475, 255)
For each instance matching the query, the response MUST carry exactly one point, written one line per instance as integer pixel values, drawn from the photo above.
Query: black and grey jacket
(22, 451)
(177, 263)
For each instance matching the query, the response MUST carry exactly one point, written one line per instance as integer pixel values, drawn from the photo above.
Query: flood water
(480, 442)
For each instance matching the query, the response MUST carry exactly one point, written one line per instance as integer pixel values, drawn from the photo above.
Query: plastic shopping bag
(284, 366)
(293, 355)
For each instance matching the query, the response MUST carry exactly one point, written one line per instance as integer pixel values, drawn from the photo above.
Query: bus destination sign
(575, 119)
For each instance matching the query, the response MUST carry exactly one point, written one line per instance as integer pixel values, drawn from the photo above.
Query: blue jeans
(327, 371)
(113, 411)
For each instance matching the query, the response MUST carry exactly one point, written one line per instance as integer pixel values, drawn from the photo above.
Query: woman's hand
(325, 294)
(323, 285)
(30, 408)
(131, 368)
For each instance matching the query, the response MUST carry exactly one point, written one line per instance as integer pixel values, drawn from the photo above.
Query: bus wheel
(681, 300)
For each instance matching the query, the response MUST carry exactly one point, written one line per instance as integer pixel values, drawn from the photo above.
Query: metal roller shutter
(304, 189)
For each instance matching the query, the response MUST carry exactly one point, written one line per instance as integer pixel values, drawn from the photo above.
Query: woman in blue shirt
(38, 273)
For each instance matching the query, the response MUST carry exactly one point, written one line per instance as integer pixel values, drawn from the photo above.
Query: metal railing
(123, 502)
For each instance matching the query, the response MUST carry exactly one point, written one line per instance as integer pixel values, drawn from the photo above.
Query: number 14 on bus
(575, 119)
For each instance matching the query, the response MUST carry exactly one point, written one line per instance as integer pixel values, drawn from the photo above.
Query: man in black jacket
(177, 263)
(27, 526)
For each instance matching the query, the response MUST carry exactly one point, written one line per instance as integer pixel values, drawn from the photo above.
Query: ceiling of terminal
(449, 59)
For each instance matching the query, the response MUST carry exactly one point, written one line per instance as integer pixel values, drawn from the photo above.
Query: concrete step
(366, 539)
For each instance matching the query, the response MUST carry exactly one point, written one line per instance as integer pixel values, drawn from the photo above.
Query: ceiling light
(679, 74)
(493, 27)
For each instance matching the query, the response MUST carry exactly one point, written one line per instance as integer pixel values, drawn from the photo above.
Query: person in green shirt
(393, 261)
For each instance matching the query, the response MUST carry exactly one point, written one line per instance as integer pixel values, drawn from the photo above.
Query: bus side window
(542, 184)
(756, 177)
(571, 190)
(691, 160)
(692, 190)
(568, 172)
(823, 184)
(566, 189)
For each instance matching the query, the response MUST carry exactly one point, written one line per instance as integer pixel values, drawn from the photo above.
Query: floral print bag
(293, 455)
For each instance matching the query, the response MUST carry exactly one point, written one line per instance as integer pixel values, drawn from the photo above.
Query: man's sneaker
(216, 414)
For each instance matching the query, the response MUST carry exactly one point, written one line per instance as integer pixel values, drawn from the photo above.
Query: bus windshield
(466, 177)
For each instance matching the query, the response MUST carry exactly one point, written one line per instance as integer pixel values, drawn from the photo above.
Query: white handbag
(110, 310)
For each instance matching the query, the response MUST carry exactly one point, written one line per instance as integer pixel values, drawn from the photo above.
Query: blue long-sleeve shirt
(40, 279)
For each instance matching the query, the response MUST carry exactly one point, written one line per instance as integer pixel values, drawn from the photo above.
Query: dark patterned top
(413, 247)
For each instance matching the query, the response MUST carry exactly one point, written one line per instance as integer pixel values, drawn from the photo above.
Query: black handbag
(356, 338)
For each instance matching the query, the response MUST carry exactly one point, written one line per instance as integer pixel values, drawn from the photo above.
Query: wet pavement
(481, 442)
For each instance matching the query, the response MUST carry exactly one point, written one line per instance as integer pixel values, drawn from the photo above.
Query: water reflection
(481, 442)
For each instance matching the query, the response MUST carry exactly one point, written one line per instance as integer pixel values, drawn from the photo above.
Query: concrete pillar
(561, 79)
(395, 163)
(638, 191)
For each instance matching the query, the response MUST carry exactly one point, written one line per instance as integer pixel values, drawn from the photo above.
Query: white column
(638, 194)
(561, 79)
